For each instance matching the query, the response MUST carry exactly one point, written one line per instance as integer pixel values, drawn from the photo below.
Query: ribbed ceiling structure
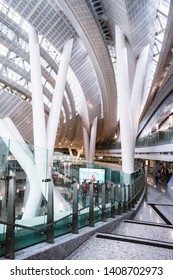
(90, 89)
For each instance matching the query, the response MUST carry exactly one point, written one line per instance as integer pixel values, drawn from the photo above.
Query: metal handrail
(47, 229)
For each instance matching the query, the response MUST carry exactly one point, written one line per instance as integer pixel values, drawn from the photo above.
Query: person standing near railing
(155, 174)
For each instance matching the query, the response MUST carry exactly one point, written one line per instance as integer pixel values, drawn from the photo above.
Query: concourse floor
(148, 237)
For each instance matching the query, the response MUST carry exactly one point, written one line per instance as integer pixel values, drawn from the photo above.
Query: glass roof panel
(6, 31)
(56, 55)
(68, 102)
(161, 23)
(3, 50)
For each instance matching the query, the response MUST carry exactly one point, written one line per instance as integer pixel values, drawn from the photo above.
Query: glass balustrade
(153, 139)
(39, 202)
(156, 139)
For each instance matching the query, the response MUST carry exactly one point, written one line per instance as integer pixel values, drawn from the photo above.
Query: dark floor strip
(160, 214)
(141, 241)
(159, 204)
(148, 223)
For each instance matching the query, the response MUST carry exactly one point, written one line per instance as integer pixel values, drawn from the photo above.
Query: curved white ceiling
(91, 83)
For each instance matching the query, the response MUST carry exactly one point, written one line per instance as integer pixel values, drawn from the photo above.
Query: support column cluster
(37, 165)
(90, 140)
(129, 102)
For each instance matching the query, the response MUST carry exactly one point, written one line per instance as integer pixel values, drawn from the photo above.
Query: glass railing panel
(27, 237)
(156, 138)
(4, 172)
(63, 226)
(30, 174)
(108, 199)
(83, 218)
(153, 139)
(116, 198)
(34, 182)
(97, 189)
(83, 195)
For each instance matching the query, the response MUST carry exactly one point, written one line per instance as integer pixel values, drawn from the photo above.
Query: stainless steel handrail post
(103, 203)
(91, 206)
(10, 228)
(75, 209)
(50, 213)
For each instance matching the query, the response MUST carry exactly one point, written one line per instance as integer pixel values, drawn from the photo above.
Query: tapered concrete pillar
(40, 152)
(14, 131)
(124, 103)
(37, 91)
(34, 197)
(86, 143)
(41, 143)
(70, 152)
(79, 152)
(93, 140)
(57, 99)
(137, 89)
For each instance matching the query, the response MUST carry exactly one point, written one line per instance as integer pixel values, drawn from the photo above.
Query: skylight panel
(46, 101)
(3, 50)
(23, 44)
(11, 74)
(161, 22)
(6, 31)
(43, 80)
(19, 61)
(64, 115)
(48, 47)
(14, 16)
(164, 6)
(68, 102)
(25, 25)
(53, 74)
(49, 87)
(43, 62)
(4, 8)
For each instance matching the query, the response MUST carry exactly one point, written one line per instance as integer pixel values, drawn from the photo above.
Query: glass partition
(156, 138)
(4, 154)
(54, 200)
(152, 139)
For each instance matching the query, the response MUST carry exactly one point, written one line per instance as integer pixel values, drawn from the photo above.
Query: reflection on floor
(148, 236)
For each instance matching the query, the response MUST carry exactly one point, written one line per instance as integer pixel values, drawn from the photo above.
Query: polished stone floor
(97, 248)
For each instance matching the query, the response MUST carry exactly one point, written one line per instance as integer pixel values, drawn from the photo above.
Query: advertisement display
(94, 175)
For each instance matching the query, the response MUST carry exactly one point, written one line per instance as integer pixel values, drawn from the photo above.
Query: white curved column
(93, 140)
(40, 152)
(54, 114)
(137, 89)
(70, 152)
(124, 103)
(79, 152)
(57, 99)
(34, 198)
(86, 143)
(14, 131)
(37, 91)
